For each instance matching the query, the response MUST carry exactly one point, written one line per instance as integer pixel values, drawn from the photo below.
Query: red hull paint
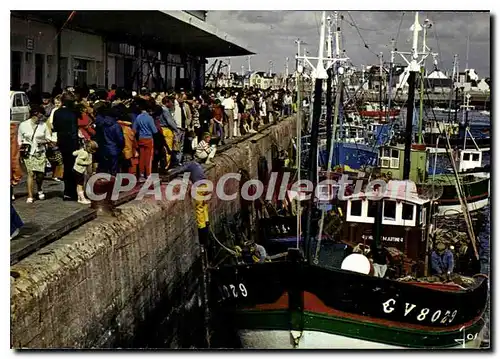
(378, 113)
(313, 304)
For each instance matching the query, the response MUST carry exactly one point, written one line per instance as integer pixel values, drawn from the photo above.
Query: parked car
(19, 106)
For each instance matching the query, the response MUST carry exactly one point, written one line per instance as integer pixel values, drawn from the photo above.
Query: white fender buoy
(358, 263)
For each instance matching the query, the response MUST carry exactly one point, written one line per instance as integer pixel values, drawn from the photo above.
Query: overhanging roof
(172, 31)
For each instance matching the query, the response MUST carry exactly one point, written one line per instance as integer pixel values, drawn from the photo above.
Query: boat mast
(381, 73)
(319, 74)
(389, 87)
(298, 88)
(339, 81)
(413, 67)
(338, 90)
(329, 85)
(453, 86)
(421, 112)
(456, 92)
(466, 114)
(427, 25)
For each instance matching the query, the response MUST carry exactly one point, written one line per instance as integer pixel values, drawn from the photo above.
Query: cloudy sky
(272, 34)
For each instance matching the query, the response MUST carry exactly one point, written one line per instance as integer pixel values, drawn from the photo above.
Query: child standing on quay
(82, 163)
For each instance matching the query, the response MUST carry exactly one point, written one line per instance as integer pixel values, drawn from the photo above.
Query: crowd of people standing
(81, 131)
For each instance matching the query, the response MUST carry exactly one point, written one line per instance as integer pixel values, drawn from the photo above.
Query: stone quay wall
(132, 280)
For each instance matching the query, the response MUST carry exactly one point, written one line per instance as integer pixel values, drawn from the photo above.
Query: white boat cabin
(401, 206)
(352, 134)
(469, 159)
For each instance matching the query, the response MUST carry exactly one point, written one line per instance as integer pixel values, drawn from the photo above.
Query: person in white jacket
(32, 137)
(262, 107)
(82, 163)
(236, 122)
(229, 107)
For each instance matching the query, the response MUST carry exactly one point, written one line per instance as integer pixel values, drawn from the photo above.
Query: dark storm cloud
(271, 34)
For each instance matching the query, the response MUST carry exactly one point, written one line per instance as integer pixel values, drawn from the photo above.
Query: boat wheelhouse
(404, 219)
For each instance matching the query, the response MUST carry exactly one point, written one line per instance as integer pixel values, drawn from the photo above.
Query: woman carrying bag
(32, 138)
(53, 154)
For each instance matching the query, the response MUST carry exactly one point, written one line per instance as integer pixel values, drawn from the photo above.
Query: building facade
(93, 48)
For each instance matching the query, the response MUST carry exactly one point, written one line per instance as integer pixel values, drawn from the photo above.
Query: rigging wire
(359, 33)
(399, 30)
(317, 23)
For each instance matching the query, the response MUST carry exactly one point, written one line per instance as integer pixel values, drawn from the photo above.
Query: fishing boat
(475, 185)
(300, 303)
(296, 305)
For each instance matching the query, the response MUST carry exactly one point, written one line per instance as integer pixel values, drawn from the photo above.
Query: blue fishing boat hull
(356, 156)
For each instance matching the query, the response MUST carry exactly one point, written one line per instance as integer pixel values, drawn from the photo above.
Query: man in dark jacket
(66, 126)
(110, 139)
(205, 117)
(442, 262)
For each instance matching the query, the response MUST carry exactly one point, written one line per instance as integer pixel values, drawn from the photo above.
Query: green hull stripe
(279, 320)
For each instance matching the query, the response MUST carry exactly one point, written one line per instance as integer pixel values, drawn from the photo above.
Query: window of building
(372, 209)
(356, 208)
(407, 212)
(80, 72)
(390, 210)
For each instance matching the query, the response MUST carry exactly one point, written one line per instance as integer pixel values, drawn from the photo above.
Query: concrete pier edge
(99, 285)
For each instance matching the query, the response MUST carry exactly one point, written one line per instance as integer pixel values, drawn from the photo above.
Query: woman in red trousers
(145, 128)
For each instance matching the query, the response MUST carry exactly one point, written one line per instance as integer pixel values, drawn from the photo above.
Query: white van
(19, 106)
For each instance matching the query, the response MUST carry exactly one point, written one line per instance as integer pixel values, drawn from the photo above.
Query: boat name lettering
(384, 238)
(231, 291)
(436, 316)
(386, 305)
(423, 314)
(408, 310)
